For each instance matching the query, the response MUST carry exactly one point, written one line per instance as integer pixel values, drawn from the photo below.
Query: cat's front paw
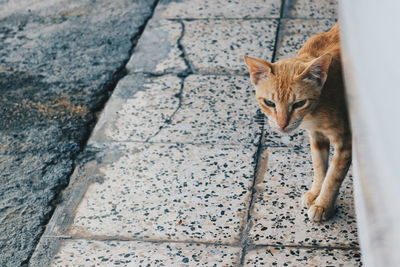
(319, 213)
(308, 198)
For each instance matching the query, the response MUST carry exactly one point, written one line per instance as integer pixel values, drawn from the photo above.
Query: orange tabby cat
(307, 91)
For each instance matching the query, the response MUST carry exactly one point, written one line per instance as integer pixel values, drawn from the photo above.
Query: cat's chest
(313, 124)
(309, 124)
(319, 126)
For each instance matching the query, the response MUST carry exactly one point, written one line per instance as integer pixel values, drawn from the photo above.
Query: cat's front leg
(324, 204)
(320, 156)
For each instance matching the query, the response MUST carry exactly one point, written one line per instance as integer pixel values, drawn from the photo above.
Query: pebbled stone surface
(310, 9)
(191, 9)
(57, 60)
(218, 46)
(294, 33)
(276, 256)
(278, 216)
(167, 192)
(214, 109)
(140, 254)
(138, 108)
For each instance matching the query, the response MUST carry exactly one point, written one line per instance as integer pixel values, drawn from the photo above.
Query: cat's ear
(317, 71)
(258, 68)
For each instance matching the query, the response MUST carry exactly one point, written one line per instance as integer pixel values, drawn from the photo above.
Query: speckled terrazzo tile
(218, 46)
(276, 256)
(271, 138)
(83, 253)
(311, 9)
(295, 32)
(168, 192)
(218, 9)
(215, 109)
(278, 216)
(139, 106)
(157, 50)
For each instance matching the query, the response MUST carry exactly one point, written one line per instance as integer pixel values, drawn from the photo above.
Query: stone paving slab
(278, 216)
(157, 50)
(139, 106)
(275, 256)
(294, 33)
(218, 46)
(310, 9)
(83, 253)
(215, 109)
(168, 192)
(195, 9)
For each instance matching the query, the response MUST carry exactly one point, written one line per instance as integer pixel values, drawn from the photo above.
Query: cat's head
(289, 89)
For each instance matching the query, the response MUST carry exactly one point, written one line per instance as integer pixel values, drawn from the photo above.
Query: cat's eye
(269, 103)
(299, 104)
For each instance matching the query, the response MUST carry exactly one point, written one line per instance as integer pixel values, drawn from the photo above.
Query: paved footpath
(178, 172)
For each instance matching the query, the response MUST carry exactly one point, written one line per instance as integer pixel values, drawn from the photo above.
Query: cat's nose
(283, 124)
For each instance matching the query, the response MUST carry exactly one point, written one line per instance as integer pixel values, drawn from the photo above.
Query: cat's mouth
(289, 129)
(286, 130)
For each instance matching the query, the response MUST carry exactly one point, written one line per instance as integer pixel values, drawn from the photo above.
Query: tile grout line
(166, 241)
(183, 74)
(246, 227)
(153, 241)
(117, 142)
(278, 29)
(303, 247)
(221, 19)
(258, 159)
(247, 18)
